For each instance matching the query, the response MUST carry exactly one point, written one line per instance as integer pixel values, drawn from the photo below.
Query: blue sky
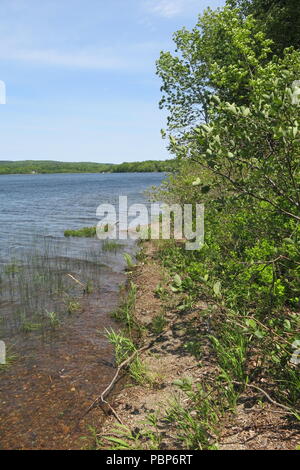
(80, 77)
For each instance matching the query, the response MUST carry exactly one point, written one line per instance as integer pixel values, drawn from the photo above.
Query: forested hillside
(35, 166)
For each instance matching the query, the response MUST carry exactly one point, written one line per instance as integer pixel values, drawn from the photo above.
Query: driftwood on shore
(100, 400)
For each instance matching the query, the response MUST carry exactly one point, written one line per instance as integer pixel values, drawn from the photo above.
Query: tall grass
(125, 312)
(36, 291)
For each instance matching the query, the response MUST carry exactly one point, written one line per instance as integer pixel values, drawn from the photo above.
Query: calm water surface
(33, 207)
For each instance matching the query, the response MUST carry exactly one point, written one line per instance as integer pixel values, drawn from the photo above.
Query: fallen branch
(286, 408)
(101, 399)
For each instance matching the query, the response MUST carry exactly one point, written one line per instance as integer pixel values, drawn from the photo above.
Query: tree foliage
(255, 150)
(280, 19)
(220, 55)
(234, 119)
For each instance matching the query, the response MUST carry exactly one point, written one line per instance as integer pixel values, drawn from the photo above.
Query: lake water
(33, 207)
(59, 358)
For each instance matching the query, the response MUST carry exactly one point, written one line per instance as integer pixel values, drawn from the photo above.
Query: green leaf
(116, 440)
(251, 323)
(245, 111)
(217, 288)
(259, 334)
(197, 182)
(174, 289)
(289, 240)
(177, 280)
(276, 359)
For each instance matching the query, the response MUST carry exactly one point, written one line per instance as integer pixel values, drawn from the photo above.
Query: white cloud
(166, 8)
(77, 59)
(132, 56)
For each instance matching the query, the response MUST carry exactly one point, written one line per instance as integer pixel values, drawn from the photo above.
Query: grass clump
(12, 269)
(87, 232)
(28, 327)
(123, 438)
(196, 420)
(158, 323)
(125, 313)
(89, 288)
(120, 438)
(73, 306)
(129, 261)
(111, 246)
(124, 348)
(53, 319)
(10, 358)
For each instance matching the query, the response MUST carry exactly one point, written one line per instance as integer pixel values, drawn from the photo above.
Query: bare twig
(101, 399)
(76, 280)
(266, 395)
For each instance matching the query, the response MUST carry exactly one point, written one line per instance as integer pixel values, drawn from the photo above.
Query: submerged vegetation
(38, 290)
(9, 360)
(111, 246)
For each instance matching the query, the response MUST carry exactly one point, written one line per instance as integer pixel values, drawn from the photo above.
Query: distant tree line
(32, 166)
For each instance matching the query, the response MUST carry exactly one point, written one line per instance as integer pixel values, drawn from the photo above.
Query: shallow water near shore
(56, 298)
